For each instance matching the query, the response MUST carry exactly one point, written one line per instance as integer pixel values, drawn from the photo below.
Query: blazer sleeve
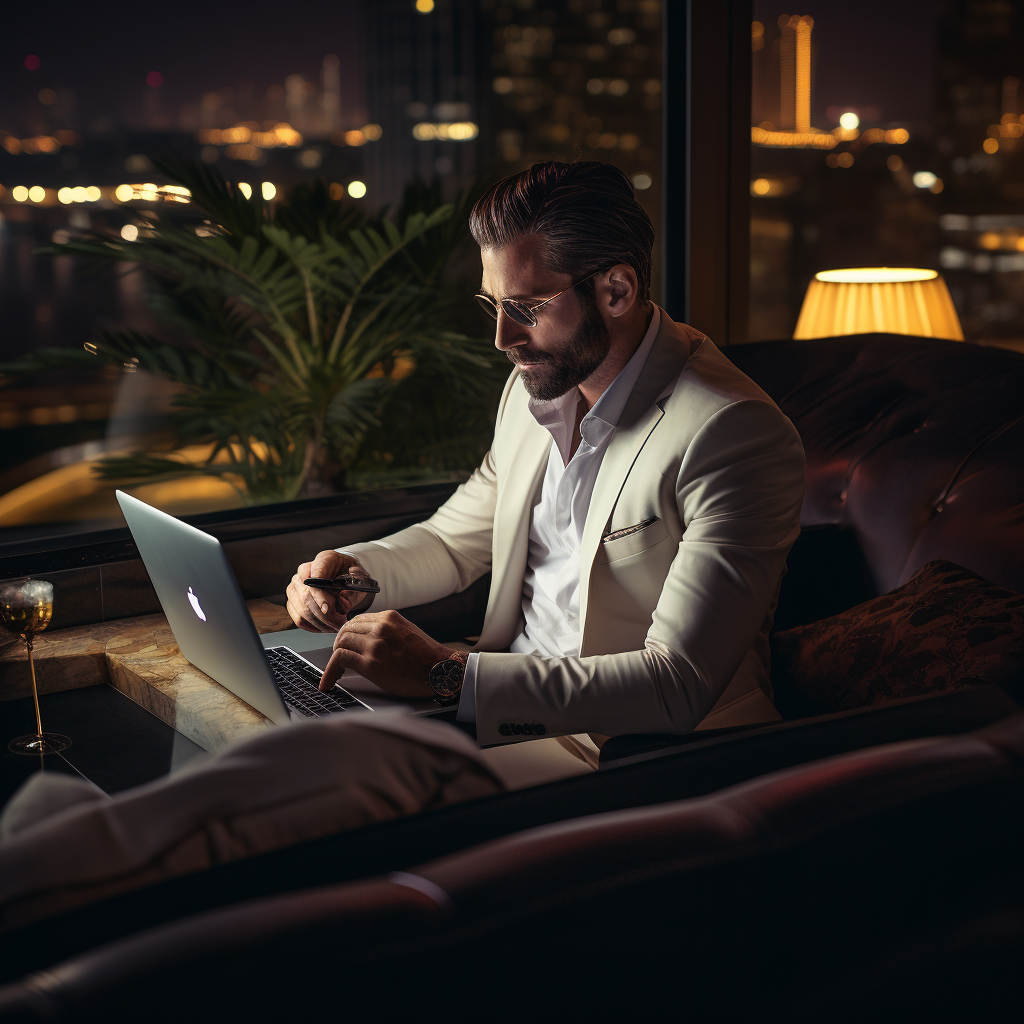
(447, 552)
(739, 490)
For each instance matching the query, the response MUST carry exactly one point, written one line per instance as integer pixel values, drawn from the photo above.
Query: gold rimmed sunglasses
(521, 312)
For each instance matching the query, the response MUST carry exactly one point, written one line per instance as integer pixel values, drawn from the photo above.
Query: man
(635, 509)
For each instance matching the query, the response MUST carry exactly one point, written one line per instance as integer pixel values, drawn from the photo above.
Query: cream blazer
(695, 507)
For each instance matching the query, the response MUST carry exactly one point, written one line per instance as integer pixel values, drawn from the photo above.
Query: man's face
(570, 340)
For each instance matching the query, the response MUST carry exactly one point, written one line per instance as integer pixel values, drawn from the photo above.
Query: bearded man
(635, 509)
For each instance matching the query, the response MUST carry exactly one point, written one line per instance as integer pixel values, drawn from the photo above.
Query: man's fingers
(329, 621)
(300, 620)
(296, 609)
(341, 659)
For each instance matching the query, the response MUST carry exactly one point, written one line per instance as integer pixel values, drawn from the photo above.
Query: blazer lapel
(639, 418)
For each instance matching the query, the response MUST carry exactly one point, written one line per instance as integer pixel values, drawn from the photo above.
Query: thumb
(324, 564)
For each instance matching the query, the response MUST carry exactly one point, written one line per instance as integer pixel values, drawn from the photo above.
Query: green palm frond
(302, 337)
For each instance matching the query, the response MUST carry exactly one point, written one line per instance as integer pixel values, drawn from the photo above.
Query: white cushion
(287, 786)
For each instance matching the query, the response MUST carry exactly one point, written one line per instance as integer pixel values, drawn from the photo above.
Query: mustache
(518, 355)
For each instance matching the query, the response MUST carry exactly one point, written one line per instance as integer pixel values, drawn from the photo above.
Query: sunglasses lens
(488, 306)
(518, 312)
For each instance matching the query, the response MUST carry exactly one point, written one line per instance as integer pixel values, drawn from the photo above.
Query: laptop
(212, 626)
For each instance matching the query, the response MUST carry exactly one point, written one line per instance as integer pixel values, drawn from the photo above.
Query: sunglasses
(521, 312)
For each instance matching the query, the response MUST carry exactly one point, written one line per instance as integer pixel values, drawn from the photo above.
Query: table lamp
(892, 300)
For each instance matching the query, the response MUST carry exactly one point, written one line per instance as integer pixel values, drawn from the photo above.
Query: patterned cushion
(944, 629)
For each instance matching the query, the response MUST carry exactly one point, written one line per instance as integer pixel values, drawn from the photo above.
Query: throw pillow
(944, 629)
(62, 849)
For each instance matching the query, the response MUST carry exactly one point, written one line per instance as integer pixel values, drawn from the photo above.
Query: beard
(570, 365)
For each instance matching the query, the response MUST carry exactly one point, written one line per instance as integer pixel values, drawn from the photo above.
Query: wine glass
(26, 607)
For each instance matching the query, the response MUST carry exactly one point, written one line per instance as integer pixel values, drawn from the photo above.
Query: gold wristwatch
(446, 677)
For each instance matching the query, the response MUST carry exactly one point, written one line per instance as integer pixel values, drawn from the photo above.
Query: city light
(129, 232)
(641, 181)
(372, 131)
(281, 135)
(268, 190)
(64, 196)
(849, 120)
(245, 188)
(32, 62)
(355, 138)
(760, 187)
(337, 190)
(19, 193)
(455, 131)
(924, 179)
(149, 193)
(37, 193)
(990, 146)
(154, 79)
(356, 189)
(92, 194)
(424, 6)
(807, 140)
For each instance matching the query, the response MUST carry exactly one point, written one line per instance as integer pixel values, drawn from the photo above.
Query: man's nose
(508, 334)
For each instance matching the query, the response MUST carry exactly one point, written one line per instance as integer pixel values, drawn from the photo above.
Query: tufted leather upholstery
(796, 894)
(914, 443)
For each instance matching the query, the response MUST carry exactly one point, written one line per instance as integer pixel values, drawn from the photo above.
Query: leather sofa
(913, 445)
(912, 453)
(889, 876)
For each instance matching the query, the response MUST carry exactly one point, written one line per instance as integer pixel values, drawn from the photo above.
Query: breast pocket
(631, 540)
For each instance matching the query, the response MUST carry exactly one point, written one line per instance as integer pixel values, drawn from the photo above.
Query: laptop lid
(204, 607)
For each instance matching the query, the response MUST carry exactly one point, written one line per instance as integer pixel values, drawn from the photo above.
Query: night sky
(104, 51)
(878, 53)
(872, 53)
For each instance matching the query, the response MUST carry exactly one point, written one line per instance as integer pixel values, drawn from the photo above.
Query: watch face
(446, 677)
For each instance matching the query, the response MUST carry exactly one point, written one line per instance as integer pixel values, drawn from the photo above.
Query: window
(365, 98)
(889, 135)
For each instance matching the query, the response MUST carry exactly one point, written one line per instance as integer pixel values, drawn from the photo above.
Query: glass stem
(35, 692)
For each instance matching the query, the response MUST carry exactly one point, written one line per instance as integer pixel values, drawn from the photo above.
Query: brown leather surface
(765, 835)
(914, 443)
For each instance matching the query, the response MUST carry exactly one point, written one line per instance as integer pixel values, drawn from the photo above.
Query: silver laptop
(212, 626)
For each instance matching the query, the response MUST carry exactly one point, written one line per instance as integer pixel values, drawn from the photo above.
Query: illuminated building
(574, 80)
(421, 87)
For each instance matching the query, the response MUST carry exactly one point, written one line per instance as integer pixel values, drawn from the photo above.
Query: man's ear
(622, 289)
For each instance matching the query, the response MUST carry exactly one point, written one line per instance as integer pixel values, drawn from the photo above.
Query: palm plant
(306, 340)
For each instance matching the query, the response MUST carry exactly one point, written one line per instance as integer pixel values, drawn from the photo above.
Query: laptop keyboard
(299, 683)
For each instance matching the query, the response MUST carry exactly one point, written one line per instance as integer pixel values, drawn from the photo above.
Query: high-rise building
(570, 80)
(422, 89)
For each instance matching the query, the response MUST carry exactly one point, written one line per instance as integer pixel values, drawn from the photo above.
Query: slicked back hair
(585, 211)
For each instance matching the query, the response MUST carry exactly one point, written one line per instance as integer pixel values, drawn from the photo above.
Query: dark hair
(585, 211)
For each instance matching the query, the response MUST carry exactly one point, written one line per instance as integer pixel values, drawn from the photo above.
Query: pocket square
(627, 530)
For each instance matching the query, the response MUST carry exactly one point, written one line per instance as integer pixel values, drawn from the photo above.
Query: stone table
(139, 657)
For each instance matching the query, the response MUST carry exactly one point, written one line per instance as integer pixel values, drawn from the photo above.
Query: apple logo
(196, 606)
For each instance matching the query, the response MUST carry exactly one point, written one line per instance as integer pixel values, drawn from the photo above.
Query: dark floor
(115, 743)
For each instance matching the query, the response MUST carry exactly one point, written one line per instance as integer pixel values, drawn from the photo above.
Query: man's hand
(325, 611)
(387, 649)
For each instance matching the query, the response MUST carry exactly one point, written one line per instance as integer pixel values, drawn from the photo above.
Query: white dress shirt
(551, 586)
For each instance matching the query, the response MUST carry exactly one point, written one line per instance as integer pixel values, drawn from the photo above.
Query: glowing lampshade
(885, 299)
